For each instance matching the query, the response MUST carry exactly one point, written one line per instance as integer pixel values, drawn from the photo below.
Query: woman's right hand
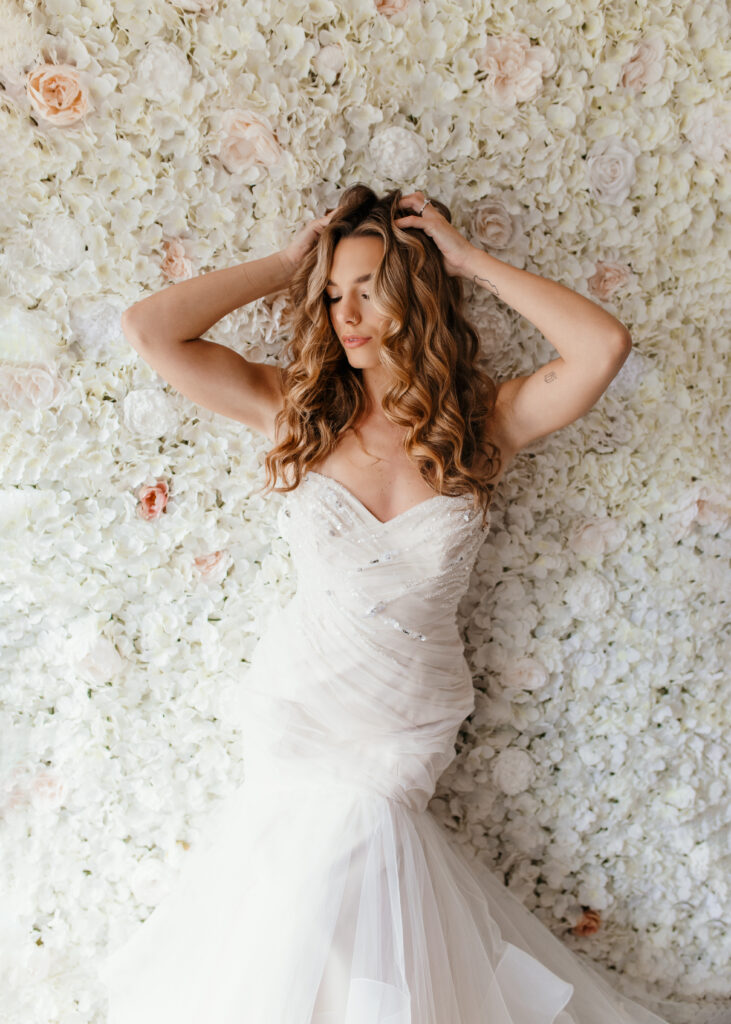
(305, 238)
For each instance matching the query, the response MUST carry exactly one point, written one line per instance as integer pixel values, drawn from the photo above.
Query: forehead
(355, 260)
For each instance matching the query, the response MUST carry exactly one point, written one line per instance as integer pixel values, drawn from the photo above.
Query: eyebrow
(358, 280)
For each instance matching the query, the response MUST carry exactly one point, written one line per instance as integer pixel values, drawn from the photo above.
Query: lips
(353, 342)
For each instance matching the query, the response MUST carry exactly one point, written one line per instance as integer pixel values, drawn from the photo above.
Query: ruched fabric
(324, 891)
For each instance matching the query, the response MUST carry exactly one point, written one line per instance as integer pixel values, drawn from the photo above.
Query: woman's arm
(184, 311)
(592, 344)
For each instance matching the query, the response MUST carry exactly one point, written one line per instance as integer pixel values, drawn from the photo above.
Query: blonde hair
(439, 393)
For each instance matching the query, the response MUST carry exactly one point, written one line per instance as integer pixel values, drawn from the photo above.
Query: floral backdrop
(147, 141)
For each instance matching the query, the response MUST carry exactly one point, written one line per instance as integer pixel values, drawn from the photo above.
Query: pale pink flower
(391, 7)
(515, 69)
(176, 264)
(248, 139)
(152, 500)
(645, 66)
(57, 93)
(608, 278)
(28, 387)
(211, 566)
(47, 791)
(597, 536)
(492, 224)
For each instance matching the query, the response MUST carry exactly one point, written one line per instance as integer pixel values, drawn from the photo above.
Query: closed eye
(338, 298)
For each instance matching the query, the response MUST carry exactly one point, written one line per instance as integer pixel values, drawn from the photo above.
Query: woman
(327, 893)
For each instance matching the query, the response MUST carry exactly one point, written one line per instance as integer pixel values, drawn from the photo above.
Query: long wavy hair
(439, 393)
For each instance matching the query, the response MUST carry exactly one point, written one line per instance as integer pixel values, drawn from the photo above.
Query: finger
(408, 222)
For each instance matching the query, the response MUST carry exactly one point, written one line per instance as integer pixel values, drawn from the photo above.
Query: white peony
(610, 168)
(150, 412)
(399, 155)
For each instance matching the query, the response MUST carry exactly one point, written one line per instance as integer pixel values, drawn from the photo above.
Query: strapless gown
(325, 891)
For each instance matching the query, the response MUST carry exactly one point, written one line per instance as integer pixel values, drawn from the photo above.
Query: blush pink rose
(57, 93)
(176, 265)
(33, 386)
(492, 224)
(645, 66)
(152, 500)
(607, 279)
(515, 68)
(248, 139)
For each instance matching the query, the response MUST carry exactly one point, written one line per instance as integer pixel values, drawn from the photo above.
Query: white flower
(589, 595)
(101, 662)
(162, 72)
(329, 62)
(398, 154)
(597, 536)
(150, 412)
(709, 134)
(610, 168)
(57, 242)
(512, 770)
(524, 674)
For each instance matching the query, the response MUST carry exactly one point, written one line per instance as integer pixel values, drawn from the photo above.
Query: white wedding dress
(327, 892)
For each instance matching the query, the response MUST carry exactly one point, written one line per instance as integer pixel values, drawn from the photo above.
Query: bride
(327, 892)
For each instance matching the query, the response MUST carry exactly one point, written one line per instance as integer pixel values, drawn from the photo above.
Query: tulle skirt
(313, 901)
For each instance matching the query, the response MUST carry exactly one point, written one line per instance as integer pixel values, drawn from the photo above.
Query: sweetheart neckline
(359, 503)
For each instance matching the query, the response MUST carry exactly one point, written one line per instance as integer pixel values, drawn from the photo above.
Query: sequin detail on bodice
(362, 674)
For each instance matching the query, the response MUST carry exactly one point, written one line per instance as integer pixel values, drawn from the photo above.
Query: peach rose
(515, 69)
(176, 265)
(589, 923)
(210, 566)
(57, 93)
(248, 139)
(607, 279)
(152, 500)
(33, 386)
(645, 66)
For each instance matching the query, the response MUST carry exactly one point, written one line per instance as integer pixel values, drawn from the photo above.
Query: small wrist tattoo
(488, 284)
(548, 377)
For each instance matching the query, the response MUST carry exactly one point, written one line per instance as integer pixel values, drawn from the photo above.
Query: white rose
(398, 154)
(25, 388)
(524, 674)
(150, 412)
(512, 770)
(610, 168)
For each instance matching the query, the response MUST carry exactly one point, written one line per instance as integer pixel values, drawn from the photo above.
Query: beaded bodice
(361, 676)
(407, 573)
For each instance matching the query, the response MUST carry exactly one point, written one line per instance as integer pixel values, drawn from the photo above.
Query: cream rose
(150, 412)
(492, 224)
(512, 771)
(610, 166)
(524, 674)
(597, 536)
(398, 154)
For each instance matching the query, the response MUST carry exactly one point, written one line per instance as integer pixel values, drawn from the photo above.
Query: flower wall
(144, 143)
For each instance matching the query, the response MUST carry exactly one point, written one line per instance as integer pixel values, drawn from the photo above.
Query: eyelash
(338, 298)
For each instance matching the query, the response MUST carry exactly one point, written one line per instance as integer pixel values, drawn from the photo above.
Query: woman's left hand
(454, 247)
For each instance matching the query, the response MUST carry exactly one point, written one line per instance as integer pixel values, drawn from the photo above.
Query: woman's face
(351, 309)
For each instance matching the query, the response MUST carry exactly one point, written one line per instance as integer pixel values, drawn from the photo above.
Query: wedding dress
(328, 893)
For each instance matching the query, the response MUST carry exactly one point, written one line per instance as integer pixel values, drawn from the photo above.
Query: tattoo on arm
(488, 284)
(548, 377)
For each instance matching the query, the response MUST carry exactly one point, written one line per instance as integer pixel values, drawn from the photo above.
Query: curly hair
(439, 392)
